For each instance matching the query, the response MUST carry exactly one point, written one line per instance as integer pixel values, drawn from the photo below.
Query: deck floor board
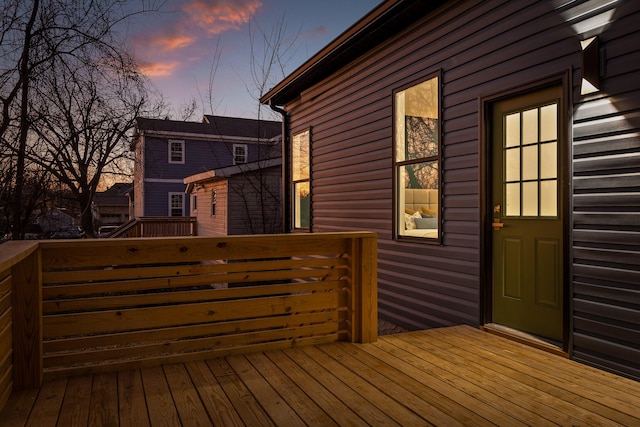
(449, 376)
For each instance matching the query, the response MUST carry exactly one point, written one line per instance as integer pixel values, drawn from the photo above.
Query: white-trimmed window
(301, 180)
(417, 148)
(194, 203)
(214, 197)
(176, 204)
(176, 151)
(239, 154)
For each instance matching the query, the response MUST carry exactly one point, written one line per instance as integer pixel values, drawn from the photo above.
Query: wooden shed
(494, 146)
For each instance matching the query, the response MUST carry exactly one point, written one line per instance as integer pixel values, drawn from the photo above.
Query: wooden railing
(20, 343)
(109, 304)
(158, 226)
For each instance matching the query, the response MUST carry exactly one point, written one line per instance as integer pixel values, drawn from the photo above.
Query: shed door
(527, 215)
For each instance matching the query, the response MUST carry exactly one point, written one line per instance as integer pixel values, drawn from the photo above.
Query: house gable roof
(229, 171)
(386, 20)
(116, 195)
(212, 126)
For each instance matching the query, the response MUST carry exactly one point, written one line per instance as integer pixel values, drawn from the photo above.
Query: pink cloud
(218, 16)
(173, 42)
(158, 69)
(176, 40)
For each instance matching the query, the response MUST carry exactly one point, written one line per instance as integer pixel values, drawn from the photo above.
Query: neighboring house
(53, 220)
(240, 199)
(494, 147)
(167, 151)
(111, 207)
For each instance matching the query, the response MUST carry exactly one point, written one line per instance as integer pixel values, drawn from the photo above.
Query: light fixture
(590, 66)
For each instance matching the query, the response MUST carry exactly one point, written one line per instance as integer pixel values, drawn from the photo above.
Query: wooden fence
(151, 226)
(110, 304)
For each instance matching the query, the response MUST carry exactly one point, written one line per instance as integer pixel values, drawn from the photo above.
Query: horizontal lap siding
(213, 225)
(254, 202)
(606, 204)
(422, 285)
(484, 48)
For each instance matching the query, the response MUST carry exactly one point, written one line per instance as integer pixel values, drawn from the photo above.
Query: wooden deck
(449, 376)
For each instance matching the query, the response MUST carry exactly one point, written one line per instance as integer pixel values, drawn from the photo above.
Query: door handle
(496, 224)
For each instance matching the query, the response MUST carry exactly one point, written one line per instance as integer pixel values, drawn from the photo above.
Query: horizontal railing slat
(62, 372)
(157, 317)
(106, 301)
(198, 344)
(180, 271)
(88, 288)
(190, 331)
(140, 251)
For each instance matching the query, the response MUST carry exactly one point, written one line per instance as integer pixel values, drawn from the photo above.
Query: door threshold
(540, 343)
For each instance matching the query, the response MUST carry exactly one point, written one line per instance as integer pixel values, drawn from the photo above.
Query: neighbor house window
(214, 197)
(176, 151)
(194, 203)
(239, 154)
(176, 204)
(417, 160)
(300, 177)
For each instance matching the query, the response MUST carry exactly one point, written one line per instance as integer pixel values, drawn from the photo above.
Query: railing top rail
(15, 251)
(167, 219)
(150, 250)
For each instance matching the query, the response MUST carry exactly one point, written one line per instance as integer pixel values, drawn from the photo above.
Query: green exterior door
(527, 214)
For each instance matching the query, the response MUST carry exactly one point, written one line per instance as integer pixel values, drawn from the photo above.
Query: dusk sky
(178, 46)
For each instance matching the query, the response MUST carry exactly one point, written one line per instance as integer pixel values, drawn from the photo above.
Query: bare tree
(33, 35)
(270, 53)
(87, 107)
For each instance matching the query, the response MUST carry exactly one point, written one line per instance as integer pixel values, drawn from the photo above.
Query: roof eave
(386, 20)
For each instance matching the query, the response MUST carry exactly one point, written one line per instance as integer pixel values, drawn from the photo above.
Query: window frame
(236, 156)
(398, 184)
(295, 183)
(170, 151)
(194, 202)
(214, 201)
(176, 193)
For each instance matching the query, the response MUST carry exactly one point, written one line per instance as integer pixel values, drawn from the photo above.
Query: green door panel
(527, 235)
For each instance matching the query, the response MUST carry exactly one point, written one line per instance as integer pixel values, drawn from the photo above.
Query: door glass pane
(530, 126)
(530, 198)
(513, 199)
(512, 132)
(549, 123)
(512, 165)
(530, 162)
(549, 160)
(549, 198)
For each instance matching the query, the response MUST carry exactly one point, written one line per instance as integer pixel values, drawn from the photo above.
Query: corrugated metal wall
(483, 48)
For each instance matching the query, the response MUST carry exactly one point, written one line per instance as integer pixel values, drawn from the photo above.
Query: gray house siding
(156, 201)
(254, 202)
(606, 207)
(206, 146)
(484, 48)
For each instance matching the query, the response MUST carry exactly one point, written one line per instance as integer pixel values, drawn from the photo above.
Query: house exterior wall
(255, 203)
(483, 48)
(212, 225)
(162, 177)
(138, 180)
(112, 215)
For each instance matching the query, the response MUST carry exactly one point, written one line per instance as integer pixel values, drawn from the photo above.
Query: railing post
(364, 290)
(26, 277)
